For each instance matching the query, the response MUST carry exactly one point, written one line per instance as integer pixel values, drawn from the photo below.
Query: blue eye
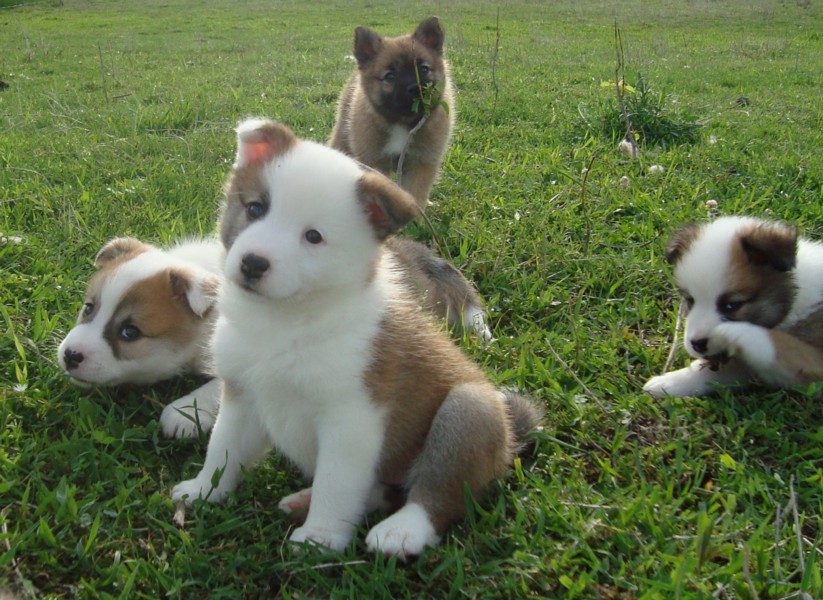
(423, 69)
(313, 236)
(130, 333)
(255, 210)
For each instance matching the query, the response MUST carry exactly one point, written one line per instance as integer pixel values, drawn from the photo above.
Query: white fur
(405, 533)
(702, 273)
(475, 317)
(398, 136)
(203, 259)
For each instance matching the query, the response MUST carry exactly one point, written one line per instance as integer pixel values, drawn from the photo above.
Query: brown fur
(112, 254)
(796, 360)
(157, 306)
(681, 241)
(441, 288)
(759, 275)
(447, 426)
(369, 109)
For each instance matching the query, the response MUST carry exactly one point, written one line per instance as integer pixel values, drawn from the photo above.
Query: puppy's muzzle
(253, 267)
(72, 358)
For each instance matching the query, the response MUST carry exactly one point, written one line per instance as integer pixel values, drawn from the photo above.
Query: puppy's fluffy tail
(525, 416)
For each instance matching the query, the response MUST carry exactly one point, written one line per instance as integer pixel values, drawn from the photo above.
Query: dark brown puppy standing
(377, 107)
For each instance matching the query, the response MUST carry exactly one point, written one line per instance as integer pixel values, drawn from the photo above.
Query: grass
(118, 121)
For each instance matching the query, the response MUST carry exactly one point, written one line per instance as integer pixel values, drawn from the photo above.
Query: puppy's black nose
(253, 266)
(72, 358)
(700, 345)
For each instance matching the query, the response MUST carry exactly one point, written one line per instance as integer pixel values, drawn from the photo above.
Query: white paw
(405, 533)
(335, 540)
(751, 343)
(690, 381)
(183, 418)
(658, 387)
(296, 504)
(193, 489)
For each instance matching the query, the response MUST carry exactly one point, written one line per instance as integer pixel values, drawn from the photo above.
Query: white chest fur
(398, 134)
(301, 373)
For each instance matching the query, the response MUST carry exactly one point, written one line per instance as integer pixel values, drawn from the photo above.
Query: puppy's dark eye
(130, 333)
(730, 307)
(88, 308)
(255, 210)
(423, 69)
(389, 77)
(313, 236)
(688, 301)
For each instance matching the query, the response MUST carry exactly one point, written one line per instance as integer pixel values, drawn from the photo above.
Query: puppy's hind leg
(469, 444)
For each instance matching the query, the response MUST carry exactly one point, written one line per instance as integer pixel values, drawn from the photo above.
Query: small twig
(103, 72)
(619, 84)
(494, 61)
(440, 249)
(402, 156)
(798, 533)
(30, 592)
(676, 338)
(746, 561)
(573, 374)
(778, 525)
(583, 205)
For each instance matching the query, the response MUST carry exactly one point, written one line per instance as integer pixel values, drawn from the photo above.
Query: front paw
(183, 419)
(751, 343)
(691, 381)
(196, 489)
(332, 539)
(663, 385)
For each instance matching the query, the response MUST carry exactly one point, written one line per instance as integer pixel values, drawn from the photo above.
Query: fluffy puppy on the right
(753, 291)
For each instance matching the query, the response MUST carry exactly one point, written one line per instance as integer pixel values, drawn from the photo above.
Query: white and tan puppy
(147, 316)
(326, 356)
(754, 295)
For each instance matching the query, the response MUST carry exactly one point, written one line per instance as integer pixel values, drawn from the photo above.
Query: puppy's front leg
(698, 379)
(349, 443)
(238, 440)
(776, 357)
(418, 179)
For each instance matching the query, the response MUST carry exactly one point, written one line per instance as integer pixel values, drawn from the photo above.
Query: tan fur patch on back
(415, 368)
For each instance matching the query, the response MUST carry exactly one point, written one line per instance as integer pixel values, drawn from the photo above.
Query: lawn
(116, 118)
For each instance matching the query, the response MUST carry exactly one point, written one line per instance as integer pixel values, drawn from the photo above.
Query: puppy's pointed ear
(118, 247)
(366, 45)
(430, 33)
(387, 206)
(196, 290)
(771, 244)
(680, 242)
(260, 140)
